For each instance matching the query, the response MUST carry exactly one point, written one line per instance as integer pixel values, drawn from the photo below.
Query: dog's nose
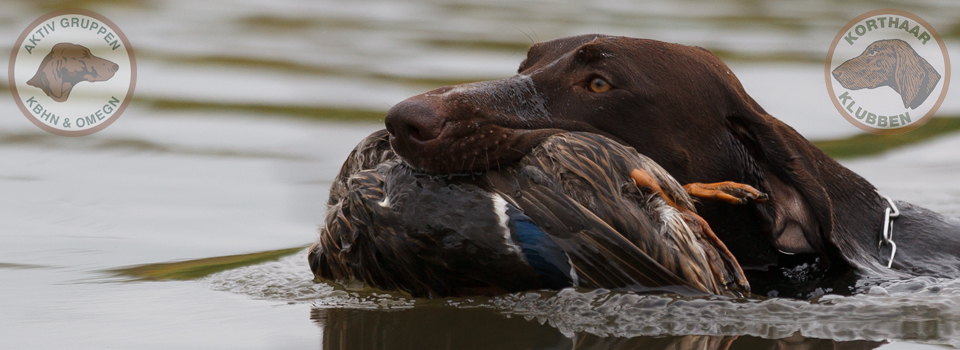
(413, 119)
(837, 73)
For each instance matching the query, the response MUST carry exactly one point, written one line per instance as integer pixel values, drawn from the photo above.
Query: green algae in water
(199, 268)
(862, 145)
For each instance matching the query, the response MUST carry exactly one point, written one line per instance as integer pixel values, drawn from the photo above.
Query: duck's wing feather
(600, 256)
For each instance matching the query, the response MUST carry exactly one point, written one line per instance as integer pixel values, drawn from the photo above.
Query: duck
(578, 211)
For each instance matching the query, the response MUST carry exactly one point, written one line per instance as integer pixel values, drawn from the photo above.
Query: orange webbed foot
(727, 191)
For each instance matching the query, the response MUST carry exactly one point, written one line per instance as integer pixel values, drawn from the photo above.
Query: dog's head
(680, 105)
(66, 65)
(892, 63)
(644, 93)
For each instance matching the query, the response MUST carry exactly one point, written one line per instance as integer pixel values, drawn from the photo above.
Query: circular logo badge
(72, 72)
(887, 71)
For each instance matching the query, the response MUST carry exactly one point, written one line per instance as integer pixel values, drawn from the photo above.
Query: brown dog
(892, 63)
(685, 109)
(68, 64)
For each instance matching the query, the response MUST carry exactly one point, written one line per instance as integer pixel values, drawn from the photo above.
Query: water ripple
(921, 309)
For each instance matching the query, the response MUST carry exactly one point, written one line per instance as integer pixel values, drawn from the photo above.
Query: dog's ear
(914, 76)
(822, 186)
(773, 156)
(788, 166)
(53, 78)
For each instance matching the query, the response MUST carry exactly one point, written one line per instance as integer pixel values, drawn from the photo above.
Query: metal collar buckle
(887, 236)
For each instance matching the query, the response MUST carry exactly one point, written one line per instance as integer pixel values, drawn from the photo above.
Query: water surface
(192, 170)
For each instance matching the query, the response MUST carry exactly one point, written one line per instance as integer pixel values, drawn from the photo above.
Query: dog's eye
(599, 85)
(872, 53)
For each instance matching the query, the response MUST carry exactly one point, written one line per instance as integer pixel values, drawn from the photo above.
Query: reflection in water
(438, 327)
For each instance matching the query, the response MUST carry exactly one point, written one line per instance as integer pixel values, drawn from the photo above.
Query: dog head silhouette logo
(895, 75)
(892, 63)
(72, 72)
(68, 64)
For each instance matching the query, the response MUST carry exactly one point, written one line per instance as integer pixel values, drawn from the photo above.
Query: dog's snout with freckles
(467, 127)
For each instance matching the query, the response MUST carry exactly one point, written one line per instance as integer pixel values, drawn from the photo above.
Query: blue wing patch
(541, 252)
